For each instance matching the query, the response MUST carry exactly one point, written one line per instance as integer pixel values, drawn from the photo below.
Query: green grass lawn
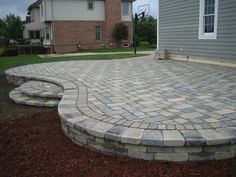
(9, 62)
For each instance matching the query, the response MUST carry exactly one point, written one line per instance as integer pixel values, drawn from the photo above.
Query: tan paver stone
(132, 135)
(225, 111)
(191, 115)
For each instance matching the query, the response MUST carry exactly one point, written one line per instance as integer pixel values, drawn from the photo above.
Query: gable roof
(34, 5)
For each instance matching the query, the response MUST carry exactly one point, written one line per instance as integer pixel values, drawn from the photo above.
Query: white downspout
(158, 30)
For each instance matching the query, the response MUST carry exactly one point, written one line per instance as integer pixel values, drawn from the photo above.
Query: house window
(47, 32)
(32, 16)
(208, 19)
(125, 8)
(41, 9)
(34, 34)
(90, 5)
(98, 33)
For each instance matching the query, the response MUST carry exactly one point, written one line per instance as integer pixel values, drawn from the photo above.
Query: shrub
(146, 30)
(2, 51)
(144, 44)
(11, 51)
(120, 32)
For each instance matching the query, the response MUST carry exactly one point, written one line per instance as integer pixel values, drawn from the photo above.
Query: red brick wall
(67, 34)
(112, 16)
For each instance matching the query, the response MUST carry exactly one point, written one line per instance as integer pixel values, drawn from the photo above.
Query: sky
(146, 4)
(19, 7)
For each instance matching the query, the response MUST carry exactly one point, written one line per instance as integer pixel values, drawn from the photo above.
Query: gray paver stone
(115, 133)
(140, 155)
(173, 138)
(193, 138)
(224, 155)
(175, 157)
(132, 136)
(152, 137)
(99, 129)
(213, 138)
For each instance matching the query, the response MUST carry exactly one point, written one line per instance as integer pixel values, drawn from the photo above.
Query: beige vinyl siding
(179, 29)
(73, 10)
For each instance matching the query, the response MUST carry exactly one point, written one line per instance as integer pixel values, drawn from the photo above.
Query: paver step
(41, 89)
(18, 97)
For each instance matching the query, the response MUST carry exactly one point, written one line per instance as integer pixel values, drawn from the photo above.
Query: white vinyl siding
(208, 18)
(179, 30)
(73, 10)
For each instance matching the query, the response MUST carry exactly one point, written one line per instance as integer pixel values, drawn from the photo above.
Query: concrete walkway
(92, 53)
(143, 108)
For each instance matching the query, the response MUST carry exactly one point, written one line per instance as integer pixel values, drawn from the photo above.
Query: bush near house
(146, 30)
(10, 51)
(144, 44)
(2, 51)
(120, 32)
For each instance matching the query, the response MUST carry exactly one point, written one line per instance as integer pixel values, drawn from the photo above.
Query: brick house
(89, 23)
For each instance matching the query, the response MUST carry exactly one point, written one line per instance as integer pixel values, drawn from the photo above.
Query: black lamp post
(136, 19)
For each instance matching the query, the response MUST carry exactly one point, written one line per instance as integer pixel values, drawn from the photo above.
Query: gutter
(53, 23)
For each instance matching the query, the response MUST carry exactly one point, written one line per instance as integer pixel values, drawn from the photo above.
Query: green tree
(10, 27)
(1, 27)
(147, 30)
(120, 32)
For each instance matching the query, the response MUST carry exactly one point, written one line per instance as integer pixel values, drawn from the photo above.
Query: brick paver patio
(140, 107)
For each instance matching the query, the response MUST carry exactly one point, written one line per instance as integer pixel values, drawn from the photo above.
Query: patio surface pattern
(140, 107)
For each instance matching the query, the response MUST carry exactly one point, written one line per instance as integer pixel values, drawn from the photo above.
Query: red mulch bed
(35, 146)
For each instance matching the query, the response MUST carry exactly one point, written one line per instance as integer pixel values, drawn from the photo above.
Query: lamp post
(136, 19)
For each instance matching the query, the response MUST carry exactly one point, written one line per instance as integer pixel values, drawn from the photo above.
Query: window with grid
(125, 8)
(90, 4)
(208, 19)
(209, 16)
(47, 32)
(98, 33)
(34, 34)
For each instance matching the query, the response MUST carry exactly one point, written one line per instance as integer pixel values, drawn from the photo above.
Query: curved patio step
(41, 89)
(18, 97)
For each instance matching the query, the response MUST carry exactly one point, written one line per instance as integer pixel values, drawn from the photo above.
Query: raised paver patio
(143, 108)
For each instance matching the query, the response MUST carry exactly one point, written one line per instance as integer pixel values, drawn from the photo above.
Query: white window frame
(41, 9)
(47, 33)
(202, 34)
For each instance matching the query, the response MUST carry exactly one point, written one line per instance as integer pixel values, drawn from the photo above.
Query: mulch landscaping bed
(32, 144)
